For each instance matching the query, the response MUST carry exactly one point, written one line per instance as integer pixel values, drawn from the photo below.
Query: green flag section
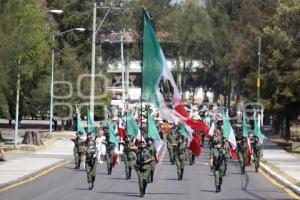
(132, 128)
(112, 134)
(183, 131)
(257, 131)
(80, 128)
(153, 132)
(152, 63)
(245, 128)
(90, 125)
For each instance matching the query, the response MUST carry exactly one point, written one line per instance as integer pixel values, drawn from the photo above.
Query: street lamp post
(52, 72)
(58, 12)
(110, 7)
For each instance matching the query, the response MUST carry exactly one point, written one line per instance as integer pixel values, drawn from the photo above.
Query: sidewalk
(21, 166)
(281, 165)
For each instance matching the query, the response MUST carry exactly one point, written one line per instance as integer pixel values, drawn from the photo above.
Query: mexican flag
(132, 128)
(153, 132)
(121, 128)
(194, 140)
(113, 139)
(229, 134)
(90, 125)
(158, 85)
(80, 128)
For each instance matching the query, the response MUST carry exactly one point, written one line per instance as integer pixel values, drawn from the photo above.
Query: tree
(24, 50)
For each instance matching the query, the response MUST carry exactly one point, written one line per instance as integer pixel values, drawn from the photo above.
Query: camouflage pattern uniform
(78, 150)
(142, 168)
(217, 155)
(129, 157)
(257, 151)
(90, 163)
(180, 157)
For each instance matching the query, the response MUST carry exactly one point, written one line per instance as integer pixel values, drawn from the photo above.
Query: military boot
(152, 175)
(181, 174)
(217, 189)
(242, 170)
(220, 180)
(129, 175)
(90, 186)
(225, 170)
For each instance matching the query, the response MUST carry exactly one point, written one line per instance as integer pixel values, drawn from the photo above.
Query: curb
(280, 179)
(33, 176)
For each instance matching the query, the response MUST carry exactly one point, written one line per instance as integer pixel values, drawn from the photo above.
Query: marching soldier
(78, 150)
(142, 167)
(90, 161)
(241, 148)
(110, 148)
(217, 164)
(227, 154)
(180, 156)
(129, 155)
(257, 151)
(171, 143)
(153, 154)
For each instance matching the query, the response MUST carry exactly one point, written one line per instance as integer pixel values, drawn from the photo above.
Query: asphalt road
(69, 184)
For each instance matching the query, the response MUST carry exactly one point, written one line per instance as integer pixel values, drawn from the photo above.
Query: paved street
(67, 183)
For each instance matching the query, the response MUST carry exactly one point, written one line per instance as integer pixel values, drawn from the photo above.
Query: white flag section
(212, 129)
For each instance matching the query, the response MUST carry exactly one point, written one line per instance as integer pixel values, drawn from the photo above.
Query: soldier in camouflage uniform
(90, 162)
(242, 151)
(110, 148)
(217, 164)
(153, 152)
(180, 156)
(225, 146)
(257, 151)
(78, 150)
(142, 167)
(129, 155)
(171, 143)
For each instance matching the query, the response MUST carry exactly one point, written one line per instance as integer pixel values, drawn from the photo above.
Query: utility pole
(92, 98)
(109, 6)
(17, 108)
(258, 71)
(123, 73)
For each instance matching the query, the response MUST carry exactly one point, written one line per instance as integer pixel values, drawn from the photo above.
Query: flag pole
(142, 52)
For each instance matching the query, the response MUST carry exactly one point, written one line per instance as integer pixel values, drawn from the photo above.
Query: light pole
(110, 7)
(58, 12)
(52, 71)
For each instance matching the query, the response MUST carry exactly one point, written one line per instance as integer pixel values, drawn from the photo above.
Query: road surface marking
(34, 177)
(278, 184)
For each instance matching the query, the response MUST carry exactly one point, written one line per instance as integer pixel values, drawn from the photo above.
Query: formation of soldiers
(142, 156)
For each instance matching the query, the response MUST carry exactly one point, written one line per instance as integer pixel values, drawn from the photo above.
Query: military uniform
(153, 152)
(217, 155)
(257, 151)
(90, 163)
(171, 138)
(242, 152)
(129, 157)
(110, 148)
(180, 157)
(78, 151)
(227, 154)
(142, 168)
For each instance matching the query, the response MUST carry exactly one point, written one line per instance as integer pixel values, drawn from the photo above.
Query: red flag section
(201, 126)
(115, 159)
(195, 145)
(233, 153)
